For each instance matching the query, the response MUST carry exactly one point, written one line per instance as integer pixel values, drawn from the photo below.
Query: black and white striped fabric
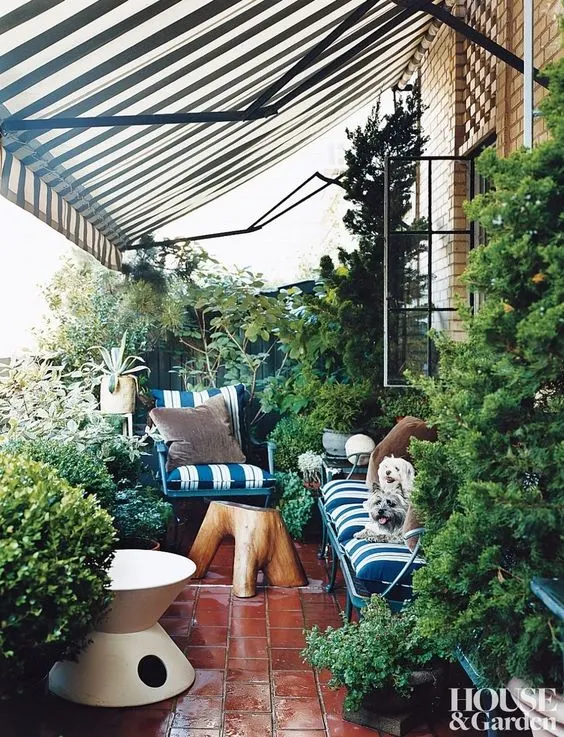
(219, 477)
(104, 187)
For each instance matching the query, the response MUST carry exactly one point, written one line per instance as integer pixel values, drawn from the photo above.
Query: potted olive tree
(386, 666)
(55, 549)
(118, 385)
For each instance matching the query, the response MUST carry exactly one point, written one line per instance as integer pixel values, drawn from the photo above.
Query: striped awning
(104, 187)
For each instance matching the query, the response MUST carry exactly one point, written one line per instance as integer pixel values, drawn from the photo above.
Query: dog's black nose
(388, 472)
(381, 512)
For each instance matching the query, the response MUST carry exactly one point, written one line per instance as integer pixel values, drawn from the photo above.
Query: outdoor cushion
(198, 434)
(234, 399)
(348, 519)
(377, 564)
(219, 476)
(338, 492)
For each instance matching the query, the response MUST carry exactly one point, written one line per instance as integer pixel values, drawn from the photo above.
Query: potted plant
(55, 550)
(386, 665)
(309, 464)
(141, 518)
(118, 387)
(342, 409)
(295, 502)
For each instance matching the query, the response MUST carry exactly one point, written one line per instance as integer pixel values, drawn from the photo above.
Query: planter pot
(137, 543)
(388, 711)
(334, 442)
(122, 401)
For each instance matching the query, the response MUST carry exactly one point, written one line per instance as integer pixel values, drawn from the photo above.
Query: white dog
(396, 474)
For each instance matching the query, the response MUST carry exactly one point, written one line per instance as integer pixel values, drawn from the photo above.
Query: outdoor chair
(216, 479)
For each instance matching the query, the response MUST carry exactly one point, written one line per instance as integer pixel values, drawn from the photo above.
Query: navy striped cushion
(338, 492)
(234, 399)
(348, 519)
(219, 477)
(377, 564)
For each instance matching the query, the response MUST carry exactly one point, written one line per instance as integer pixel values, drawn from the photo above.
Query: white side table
(131, 660)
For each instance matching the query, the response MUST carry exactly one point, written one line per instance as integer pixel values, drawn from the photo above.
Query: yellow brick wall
(470, 95)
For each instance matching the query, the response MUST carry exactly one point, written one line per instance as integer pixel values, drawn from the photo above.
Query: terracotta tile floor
(250, 678)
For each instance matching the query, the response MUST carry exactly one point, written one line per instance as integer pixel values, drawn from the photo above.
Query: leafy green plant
(55, 549)
(295, 502)
(382, 649)
(293, 436)
(344, 407)
(497, 520)
(141, 513)
(115, 363)
(400, 403)
(78, 468)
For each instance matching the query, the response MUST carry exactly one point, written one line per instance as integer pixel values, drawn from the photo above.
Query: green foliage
(396, 403)
(141, 513)
(382, 649)
(115, 363)
(74, 465)
(295, 502)
(293, 436)
(345, 407)
(55, 550)
(495, 511)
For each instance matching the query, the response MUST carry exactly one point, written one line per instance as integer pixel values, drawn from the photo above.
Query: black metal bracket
(254, 227)
(460, 26)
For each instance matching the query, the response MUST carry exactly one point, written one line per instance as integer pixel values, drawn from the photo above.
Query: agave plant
(115, 363)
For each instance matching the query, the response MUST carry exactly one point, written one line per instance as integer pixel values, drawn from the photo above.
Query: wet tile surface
(250, 678)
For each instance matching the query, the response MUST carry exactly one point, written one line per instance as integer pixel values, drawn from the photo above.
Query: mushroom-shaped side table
(131, 660)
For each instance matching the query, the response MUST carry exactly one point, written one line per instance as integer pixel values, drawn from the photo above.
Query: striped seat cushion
(348, 519)
(338, 492)
(234, 399)
(219, 477)
(377, 565)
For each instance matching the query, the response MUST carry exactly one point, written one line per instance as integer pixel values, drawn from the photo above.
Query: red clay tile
(298, 733)
(245, 608)
(248, 647)
(294, 683)
(333, 699)
(175, 626)
(248, 628)
(323, 622)
(137, 723)
(287, 638)
(285, 659)
(195, 733)
(323, 676)
(338, 727)
(182, 609)
(297, 713)
(285, 619)
(212, 602)
(208, 683)
(210, 657)
(197, 712)
(208, 636)
(247, 725)
(284, 600)
(253, 697)
(247, 670)
(209, 618)
(223, 590)
(187, 594)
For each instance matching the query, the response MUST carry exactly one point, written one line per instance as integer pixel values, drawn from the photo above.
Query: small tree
(491, 490)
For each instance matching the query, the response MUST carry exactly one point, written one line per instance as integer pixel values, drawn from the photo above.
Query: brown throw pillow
(197, 434)
(396, 443)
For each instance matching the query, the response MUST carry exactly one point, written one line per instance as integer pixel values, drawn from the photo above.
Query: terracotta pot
(122, 400)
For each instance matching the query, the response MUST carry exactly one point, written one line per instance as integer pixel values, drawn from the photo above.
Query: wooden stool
(262, 542)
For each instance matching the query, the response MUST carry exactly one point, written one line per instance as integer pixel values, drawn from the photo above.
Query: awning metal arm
(254, 227)
(460, 26)
(103, 121)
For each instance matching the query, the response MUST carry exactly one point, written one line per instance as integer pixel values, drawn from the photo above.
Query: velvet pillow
(197, 435)
(396, 443)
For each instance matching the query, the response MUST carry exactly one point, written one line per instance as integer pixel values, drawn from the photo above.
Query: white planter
(122, 401)
(334, 442)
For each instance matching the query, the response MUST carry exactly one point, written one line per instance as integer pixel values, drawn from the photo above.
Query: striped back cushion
(234, 399)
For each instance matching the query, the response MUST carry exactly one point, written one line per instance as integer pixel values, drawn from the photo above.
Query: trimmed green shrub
(55, 549)
(495, 511)
(295, 502)
(345, 407)
(74, 465)
(382, 649)
(293, 436)
(141, 513)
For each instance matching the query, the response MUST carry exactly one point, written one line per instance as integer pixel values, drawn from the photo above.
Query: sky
(285, 251)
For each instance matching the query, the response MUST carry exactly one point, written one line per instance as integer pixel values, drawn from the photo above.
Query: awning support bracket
(460, 26)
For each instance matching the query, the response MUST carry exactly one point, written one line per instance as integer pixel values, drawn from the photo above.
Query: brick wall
(469, 96)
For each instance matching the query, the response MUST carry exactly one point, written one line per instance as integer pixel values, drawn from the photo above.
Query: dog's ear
(408, 473)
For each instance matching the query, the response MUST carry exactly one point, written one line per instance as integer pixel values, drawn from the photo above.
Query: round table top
(148, 569)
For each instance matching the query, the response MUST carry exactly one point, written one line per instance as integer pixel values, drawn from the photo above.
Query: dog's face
(387, 509)
(395, 473)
